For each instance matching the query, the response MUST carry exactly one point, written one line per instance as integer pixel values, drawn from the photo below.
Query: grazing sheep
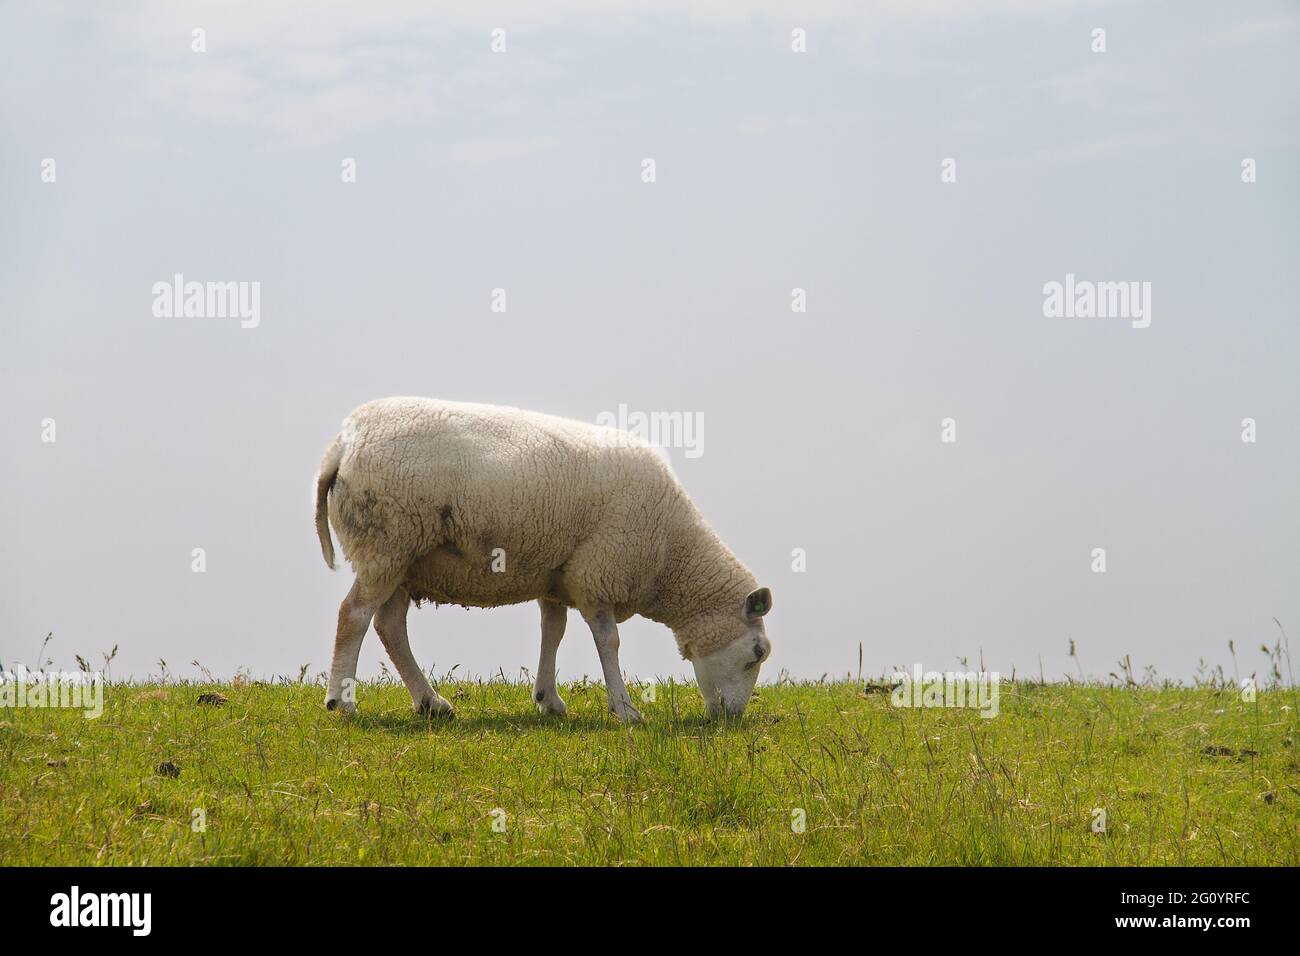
(482, 506)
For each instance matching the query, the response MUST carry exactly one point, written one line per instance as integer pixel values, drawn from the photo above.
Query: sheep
(485, 506)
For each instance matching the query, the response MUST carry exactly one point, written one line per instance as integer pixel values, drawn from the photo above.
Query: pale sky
(775, 170)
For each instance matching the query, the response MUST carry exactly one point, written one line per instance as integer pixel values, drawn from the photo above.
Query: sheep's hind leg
(545, 692)
(354, 620)
(390, 623)
(605, 633)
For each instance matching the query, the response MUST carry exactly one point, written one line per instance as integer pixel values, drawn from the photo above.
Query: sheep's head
(727, 676)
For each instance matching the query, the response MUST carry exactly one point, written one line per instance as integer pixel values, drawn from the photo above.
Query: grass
(1190, 776)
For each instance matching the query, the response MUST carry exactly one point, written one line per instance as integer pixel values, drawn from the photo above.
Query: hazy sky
(775, 170)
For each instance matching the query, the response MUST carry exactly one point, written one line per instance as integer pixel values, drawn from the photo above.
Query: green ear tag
(758, 608)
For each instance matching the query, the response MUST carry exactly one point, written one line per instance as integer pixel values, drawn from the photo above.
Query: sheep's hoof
(628, 714)
(550, 703)
(346, 707)
(435, 707)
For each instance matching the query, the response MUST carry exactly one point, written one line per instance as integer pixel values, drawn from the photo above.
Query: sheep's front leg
(545, 692)
(390, 622)
(605, 632)
(354, 620)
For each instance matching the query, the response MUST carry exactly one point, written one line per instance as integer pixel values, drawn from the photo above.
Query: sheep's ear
(758, 603)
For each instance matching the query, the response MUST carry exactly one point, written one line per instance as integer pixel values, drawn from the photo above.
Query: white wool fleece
(484, 505)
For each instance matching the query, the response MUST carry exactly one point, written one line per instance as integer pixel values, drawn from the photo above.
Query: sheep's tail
(329, 470)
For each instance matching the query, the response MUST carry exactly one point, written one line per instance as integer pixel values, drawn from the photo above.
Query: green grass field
(1185, 776)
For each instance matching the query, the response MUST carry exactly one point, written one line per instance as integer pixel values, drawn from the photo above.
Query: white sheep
(484, 506)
